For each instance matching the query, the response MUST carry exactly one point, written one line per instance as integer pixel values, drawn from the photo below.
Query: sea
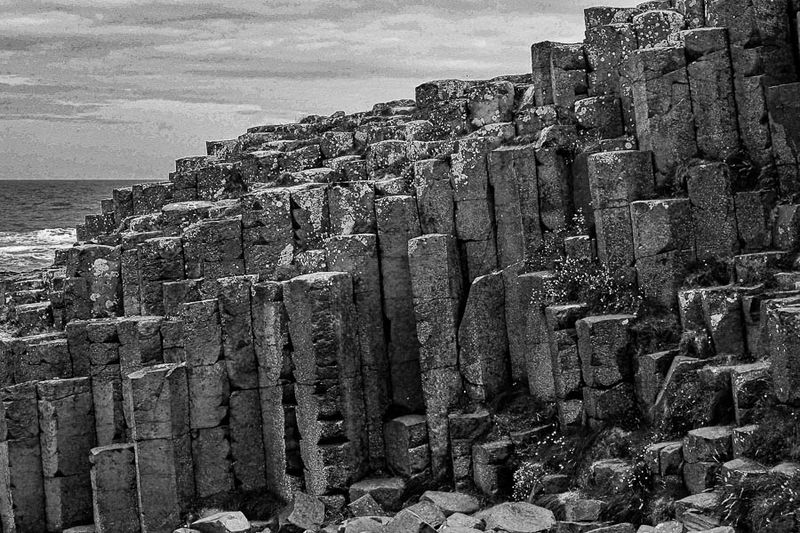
(38, 217)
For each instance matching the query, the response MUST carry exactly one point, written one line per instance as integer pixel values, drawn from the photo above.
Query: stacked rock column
(66, 434)
(474, 211)
(247, 445)
(532, 287)
(272, 350)
(561, 337)
(329, 389)
(358, 256)
(6, 501)
(93, 287)
(558, 73)
(24, 458)
(663, 107)
(102, 343)
(436, 283)
(398, 222)
(513, 178)
(760, 51)
(159, 260)
(710, 193)
(615, 180)
(212, 249)
(209, 393)
(711, 86)
(608, 48)
(483, 356)
(114, 496)
(159, 401)
(663, 244)
(267, 234)
(607, 365)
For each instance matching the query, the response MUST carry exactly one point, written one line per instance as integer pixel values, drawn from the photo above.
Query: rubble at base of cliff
(565, 301)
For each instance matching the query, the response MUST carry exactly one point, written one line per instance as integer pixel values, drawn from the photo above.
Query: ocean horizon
(39, 216)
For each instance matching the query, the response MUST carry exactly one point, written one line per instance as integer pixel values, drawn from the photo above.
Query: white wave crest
(50, 237)
(23, 251)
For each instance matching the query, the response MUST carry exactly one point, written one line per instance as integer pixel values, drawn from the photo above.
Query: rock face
(342, 311)
(223, 523)
(518, 517)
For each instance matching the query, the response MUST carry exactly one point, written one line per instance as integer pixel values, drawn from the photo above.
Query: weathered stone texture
(114, 491)
(66, 434)
(24, 458)
(329, 382)
(604, 345)
(159, 401)
(661, 226)
(709, 186)
(358, 256)
(267, 233)
(663, 108)
(533, 336)
(711, 87)
(559, 73)
(407, 451)
(397, 223)
(483, 357)
(782, 324)
(436, 285)
(473, 208)
(513, 177)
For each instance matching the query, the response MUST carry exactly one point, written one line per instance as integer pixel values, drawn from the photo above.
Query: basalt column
(93, 287)
(760, 37)
(615, 180)
(106, 378)
(114, 496)
(711, 87)
(397, 223)
(6, 502)
(24, 458)
(512, 175)
(160, 405)
(663, 107)
(474, 210)
(66, 434)
(247, 445)
(273, 355)
(209, 396)
(329, 388)
(436, 281)
(358, 255)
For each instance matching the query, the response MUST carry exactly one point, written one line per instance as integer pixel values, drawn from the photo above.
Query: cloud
(191, 69)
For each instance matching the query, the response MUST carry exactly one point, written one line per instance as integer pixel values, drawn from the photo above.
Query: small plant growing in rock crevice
(527, 475)
(778, 436)
(551, 248)
(768, 503)
(582, 280)
(553, 453)
(656, 329)
(707, 273)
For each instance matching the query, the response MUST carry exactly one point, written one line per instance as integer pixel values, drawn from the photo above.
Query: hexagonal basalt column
(330, 403)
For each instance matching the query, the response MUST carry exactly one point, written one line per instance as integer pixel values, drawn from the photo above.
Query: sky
(119, 89)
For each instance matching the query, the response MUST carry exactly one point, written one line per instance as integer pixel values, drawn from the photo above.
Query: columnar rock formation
(312, 304)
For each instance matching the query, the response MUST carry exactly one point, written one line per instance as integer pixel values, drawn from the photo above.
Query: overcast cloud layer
(106, 89)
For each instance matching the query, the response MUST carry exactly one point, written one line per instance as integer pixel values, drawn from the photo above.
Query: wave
(22, 251)
(42, 237)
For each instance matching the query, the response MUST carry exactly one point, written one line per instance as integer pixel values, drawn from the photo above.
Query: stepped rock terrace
(349, 310)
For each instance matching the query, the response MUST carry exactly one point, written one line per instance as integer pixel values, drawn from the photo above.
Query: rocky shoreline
(564, 301)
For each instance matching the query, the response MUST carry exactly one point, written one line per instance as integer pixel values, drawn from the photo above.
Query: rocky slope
(561, 301)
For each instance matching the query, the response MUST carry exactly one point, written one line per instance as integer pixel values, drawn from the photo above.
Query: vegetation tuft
(769, 503)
